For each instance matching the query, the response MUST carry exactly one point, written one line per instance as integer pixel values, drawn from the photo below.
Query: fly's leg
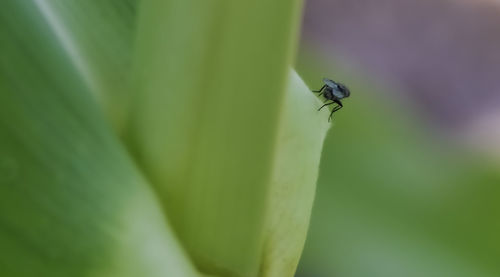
(320, 90)
(338, 107)
(326, 105)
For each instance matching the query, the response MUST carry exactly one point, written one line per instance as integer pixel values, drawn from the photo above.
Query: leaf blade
(205, 122)
(72, 202)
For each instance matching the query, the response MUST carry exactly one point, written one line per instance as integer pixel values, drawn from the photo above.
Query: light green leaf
(298, 148)
(206, 127)
(230, 150)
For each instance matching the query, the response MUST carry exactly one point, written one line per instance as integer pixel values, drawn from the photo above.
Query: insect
(333, 92)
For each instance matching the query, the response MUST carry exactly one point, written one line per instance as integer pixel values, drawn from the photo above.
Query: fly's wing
(339, 94)
(330, 83)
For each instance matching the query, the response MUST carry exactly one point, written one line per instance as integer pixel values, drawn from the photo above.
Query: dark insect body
(333, 92)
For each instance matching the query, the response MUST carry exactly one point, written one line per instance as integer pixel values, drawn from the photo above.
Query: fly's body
(333, 93)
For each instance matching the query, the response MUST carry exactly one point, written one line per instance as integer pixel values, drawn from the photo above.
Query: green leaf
(302, 131)
(97, 38)
(71, 201)
(229, 148)
(207, 125)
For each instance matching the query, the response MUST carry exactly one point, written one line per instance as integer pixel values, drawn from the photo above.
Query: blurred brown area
(444, 54)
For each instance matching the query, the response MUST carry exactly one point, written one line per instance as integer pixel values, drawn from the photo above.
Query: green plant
(160, 138)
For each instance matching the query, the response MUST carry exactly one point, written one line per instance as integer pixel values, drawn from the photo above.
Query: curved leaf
(297, 154)
(71, 201)
(206, 118)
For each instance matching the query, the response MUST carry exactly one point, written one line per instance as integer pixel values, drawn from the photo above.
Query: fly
(333, 92)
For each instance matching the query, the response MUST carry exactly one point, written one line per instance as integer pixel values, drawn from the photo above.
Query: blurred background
(410, 175)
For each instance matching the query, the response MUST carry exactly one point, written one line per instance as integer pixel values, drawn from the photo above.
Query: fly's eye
(346, 92)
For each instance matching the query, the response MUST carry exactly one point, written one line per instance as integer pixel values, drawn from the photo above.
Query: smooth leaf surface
(97, 38)
(302, 131)
(232, 158)
(71, 201)
(206, 119)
